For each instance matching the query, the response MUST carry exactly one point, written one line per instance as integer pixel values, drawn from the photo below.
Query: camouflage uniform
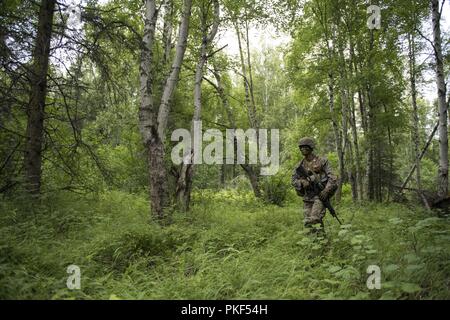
(320, 170)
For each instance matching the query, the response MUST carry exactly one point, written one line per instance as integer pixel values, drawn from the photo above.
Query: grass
(229, 246)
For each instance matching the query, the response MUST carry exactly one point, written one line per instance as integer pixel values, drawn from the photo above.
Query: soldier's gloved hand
(323, 195)
(312, 178)
(305, 183)
(296, 183)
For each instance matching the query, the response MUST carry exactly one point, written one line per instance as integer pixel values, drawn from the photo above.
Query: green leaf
(331, 281)
(414, 267)
(389, 284)
(410, 287)
(411, 258)
(391, 268)
(348, 273)
(334, 269)
(395, 221)
(431, 249)
(426, 222)
(358, 239)
(304, 242)
(388, 295)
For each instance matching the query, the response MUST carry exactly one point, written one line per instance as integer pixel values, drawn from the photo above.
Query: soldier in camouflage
(318, 169)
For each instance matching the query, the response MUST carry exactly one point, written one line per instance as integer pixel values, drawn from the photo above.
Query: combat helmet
(307, 141)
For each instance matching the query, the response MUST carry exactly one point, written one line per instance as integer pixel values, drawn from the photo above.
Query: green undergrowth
(230, 246)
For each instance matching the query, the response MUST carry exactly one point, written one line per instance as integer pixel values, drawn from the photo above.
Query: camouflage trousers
(314, 211)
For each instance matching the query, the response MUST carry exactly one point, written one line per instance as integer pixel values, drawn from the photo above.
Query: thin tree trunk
(248, 103)
(343, 89)
(365, 115)
(226, 105)
(440, 82)
(362, 108)
(167, 44)
(359, 175)
(337, 135)
(184, 183)
(430, 138)
(222, 174)
(357, 156)
(391, 163)
(371, 126)
(223, 97)
(334, 121)
(415, 114)
(255, 124)
(36, 110)
(147, 114)
(167, 29)
(153, 122)
(164, 108)
(248, 169)
(351, 173)
(252, 171)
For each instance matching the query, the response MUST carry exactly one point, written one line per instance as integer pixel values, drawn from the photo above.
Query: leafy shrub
(275, 190)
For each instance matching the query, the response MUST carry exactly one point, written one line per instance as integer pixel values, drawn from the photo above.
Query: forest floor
(229, 246)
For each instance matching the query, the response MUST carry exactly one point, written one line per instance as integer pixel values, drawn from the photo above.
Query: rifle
(317, 188)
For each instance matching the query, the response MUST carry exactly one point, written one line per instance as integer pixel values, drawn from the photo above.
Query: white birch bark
(172, 81)
(440, 82)
(146, 111)
(184, 183)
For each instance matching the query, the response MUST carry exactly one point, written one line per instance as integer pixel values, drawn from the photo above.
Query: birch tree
(184, 183)
(153, 115)
(442, 105)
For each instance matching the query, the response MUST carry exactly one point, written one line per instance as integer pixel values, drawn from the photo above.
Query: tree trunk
(253, 177)
(158, 177)
(167, 30)
(223, 97)
(172, 80)
(152, 121)
(371, 129)
(391, 164)
(359, 175)
(36, 110)
(252, 171)
(357, 156)
(351, 173)
(424, 150)
(361, 102)
(248, 102)
(146, 77)
(184, 183)
(415, 115)
(344, 93)
(337, 135)
(223, 168)
(255, 123)
(440, 82)
(249, 170)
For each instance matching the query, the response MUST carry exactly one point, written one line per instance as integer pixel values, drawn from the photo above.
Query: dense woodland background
(90, 94)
